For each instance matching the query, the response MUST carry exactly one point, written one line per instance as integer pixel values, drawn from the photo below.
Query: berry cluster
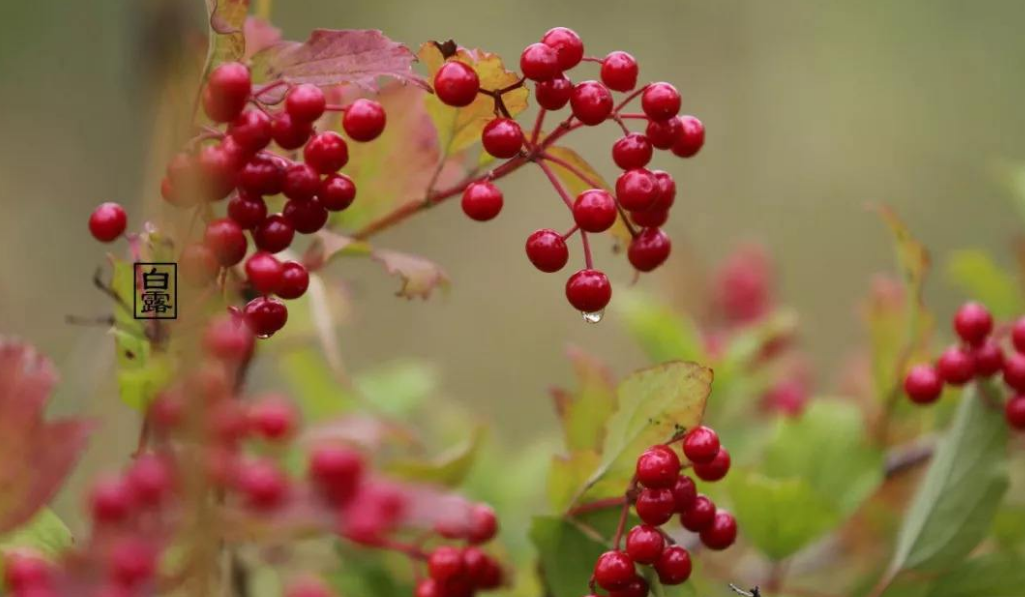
(664, 491)
(236, 162)
(646, 195)
(980, 355)
(455, 572)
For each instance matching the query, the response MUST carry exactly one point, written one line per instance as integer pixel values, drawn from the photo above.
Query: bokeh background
(813, 110)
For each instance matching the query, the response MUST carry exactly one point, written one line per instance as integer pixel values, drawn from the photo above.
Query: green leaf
(227, 41)
(1007, 525)
(750, 343)
(975, 273)
(567, 555)
(140, 372)
(567, 475)
(45, 534)
(958, 498)
(590, 179)
(313, 384)
(448, 469)
(583, 413)
(663, 334)
(991, 575)
(399, 387)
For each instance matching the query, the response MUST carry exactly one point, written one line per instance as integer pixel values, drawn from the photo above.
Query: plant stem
(552, 178)
(596, 505)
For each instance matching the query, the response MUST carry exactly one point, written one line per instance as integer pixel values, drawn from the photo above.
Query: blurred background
(813, 110)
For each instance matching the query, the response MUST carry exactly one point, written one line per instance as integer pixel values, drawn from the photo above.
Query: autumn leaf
(227, 38)
(260, 35)
(35, 455)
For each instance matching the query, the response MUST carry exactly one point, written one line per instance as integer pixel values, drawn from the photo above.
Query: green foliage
(582, 177)
(583, 413)
(399, 387)
(45, 534)
(448, 469)
(663, 334)
(567, 555)
(766, 507)
(141, 372)
(979, 277)
(992, 575)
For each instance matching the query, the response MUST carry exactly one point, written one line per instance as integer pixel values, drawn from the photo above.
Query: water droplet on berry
(593, 316)
(263, 336)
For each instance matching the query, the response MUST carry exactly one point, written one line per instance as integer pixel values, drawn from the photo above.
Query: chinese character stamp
(156, 291)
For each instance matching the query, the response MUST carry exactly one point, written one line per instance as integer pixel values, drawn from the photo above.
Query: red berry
(666, 191)
(594, 210)
(699, 516)
(691, 139)
(364, 120)
(264, 272)
(311, 587)
(227, 91)
(132, 561)
(674, 566)
(955, 366)
(482, 201)
(445, 563)
(429, 587)
(262, 176)
(1018, 335)
(701, 444)
(632, 151)
(540, 62)
(922, 384)
(265, 315)
(655, 506)
(288, 132)
(502, 138)
(1014, 371)
(25, 573)
(272, 418)
(684, 493)
(637, 587)
(553, 94)
(660, 101)
(150, 479)
(336, 472)
(637, 189)
(988, 358)
(199, 265)
(613, 570)
(326, 152)
(227, 339)
(251, 130)
(658, 467)
(714, 470)
(663, 134)
(456, 84)
(591, 102)
(619, 71)
(1014, 412)
(721, 533)
(649, 249)
(262, 483)
(307, 216)
(294, 280)
(973, 323)
(644, 544)
(305, 103)
(650, 218)
(218, 169)
(588, 290)
(337, 192)
(567, 45)
(274, 234)
(547, 250)
(111, 500)
(248, 211)
(107, 222)
(227, 241)
(483, 524)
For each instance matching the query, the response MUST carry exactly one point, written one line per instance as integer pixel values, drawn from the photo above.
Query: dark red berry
(301, 182)
(288, 132)
(502, 138)
(663, 134)
(326, 152)
(262, 483)
(264, 272)
(132, 561)
(674, 566)
(567, 45)
(272, 418)
(265, 316)
(655, 506)
(614, 569)
(714, 470)
(364, 120)
(337, 192)
(666, 191)
(594, 210)
(691, 139)
(650, 218)
(108, 222)
(619, 71)
(658, 467)
(27, 574)
(699, 516)
(1018, 335)
(247, 210)
(644, 544)
(632, 151)
(199, 265)
(336, 472)
(456, 84)
(227, 90)
(151, 479)
(482, 201)
(955, 366)
(483, 524)
(429, 587)
(305, 103)
(445, 563)
(684, 493)
(251, 130)
(218, 171)
(923, 384)
(307, 216)
(1014, 412)
(591, 102)
(539, 62)
(588, 290)
(111, 500)
(547, 250)
(973, 323)
(227, 339)
(721, 533)
(988, 358)
(649, 249)
(227, 241)
(1014, 371)
(294, 280)
(637, 189)
(274, 234)
(553, 94)
(637, 587)
(660, 101)
(262, 175)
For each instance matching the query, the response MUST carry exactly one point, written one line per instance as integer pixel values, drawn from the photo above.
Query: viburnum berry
(337, 192)
(699, 516)
(636, 587)
(594, 210)
(1014, 412)
(305, 103)
(482, 201)
(247, 210)
(108, 222)
(666, 191)
(111, 500)
(721, 533)
(923, 384)
(326, 152)
(1014, 371)
(619, 71)
(540, 62)
(227, 339)
(263, 485)
(554, 93)
(691, 137)
(251, 130)
(649, 249)
(547, 250)
(655, 506)
(660, 101)
(588, 290)
(714, 470)
(701, 444)
(25, 573)
(307, 216)
(955, 366)
(644, 544)
(265, 316)
(502, 138)
(483, 524)
(227, 90)
(684, 493)
(658, 467)
(218, 169)
(290, 132)
(310, 587)
(151, 479)
(445, 563)
(364, 120)
(613, 570)
(988, 358)
(591, 102)
(336, 472)
(199, 264)
(973, 323)
(226, 240)
(663, 134)
(632, 151)
(567, 45)
(637, 189)
(428, 587)
(264, 272)
(262, 175)
(295, 279)
(674, 566)
(133, 561)
(272, 418)
(650, 218)
(456, 84)
(274, 234)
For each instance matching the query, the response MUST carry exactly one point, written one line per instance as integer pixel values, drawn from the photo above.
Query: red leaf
(35, 456)
(260, 35)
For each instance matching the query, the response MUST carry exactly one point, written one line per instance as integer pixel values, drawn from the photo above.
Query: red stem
(552, 178)
(602, 504)
(537, 126)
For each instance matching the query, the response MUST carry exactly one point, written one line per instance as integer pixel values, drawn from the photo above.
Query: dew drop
(263, 336)
(593, 316)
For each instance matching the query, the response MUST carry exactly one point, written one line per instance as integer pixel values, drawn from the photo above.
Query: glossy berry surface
(691, 137)
(264, 272)
(445, 563)
(655, 506)
(337, 192)
(226, 240)
(591, 102)
(547, 250)
(568, 46)
(456, 84)
(226, 91)
(305, 103)
(295, 279)
(554, 93)
(307, 216)
(660, 101)
(956, 366)
(594, 210)
(721, 533)
(973, 323)
(251, 130)
(502, 138)
(658, 467)
(248, 211)
(1014, 412)
(701, 444)
(1014, 371)
(674, 566)
(364, 120)
(301, 181)
(1018, 335)
(613, 570)
(483, 524)
(274, 234)
(649, 249)
(326, 152)
(644, 544)
(539, 62)
(632, 151)
(265, 316)
(262, 176)
(108, 222)
(923, 384)
(588, 290)
(699, 516)
(988, 358)
(714, 470)
(289, 132)
(665, 133)
(482, 201)
(637, 189)
(684, 493)
(619, 71)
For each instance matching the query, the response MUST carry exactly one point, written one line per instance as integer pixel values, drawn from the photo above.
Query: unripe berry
(539, 62)
(701, 444)
(665, 133)
(637, 189)
(502, 138)
(337, 192)
(227, 339)
(591, 102)
(644, 544)
(225, 238)
(248, 211)
(336, 472)
(272, 418)
(251, 130)
(289, 132)
(364, 120)
(263, 484)
(326, 152)
(691, 138)
(482, 201)
(955, 366)
(613, 570)
(553, 94)
(674, 566)
(1014, 412)
(658, 467)
(264, 272)
(684, 493)
(227, 90)
(567, 45)
(265, 315)
(588, 290)
(594, 210)
(295, 279)
(108, 222)
(483, 524)
(699, 516)
(619, 71)
(274, 234)
(660, 101)
(307, 216)
(714, 470)
(649, 249)
(655, 506)
(922, 384)
(973, 323)
(456, 84)
(262, 175)
(445, 563)
(721, 533)
(305, 103)
(632, 151)
(547, 250)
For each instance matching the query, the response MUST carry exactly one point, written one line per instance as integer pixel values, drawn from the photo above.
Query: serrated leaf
(567, 555)
(227, 39)
(663, 333)
(447, 469)
(45, 534)
(459, 128)
(576, 184)
(991, 575)
(956, 502)
(976, 274)
(583, 412)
